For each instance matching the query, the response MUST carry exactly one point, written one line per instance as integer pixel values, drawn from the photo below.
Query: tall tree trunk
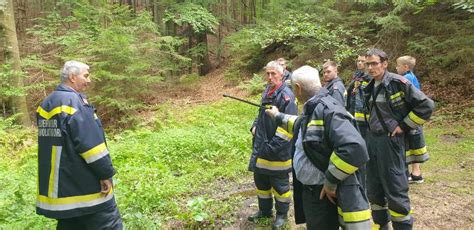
(158, 11)
(20, 12)
(253, 11)
(205, 63)
(243, 12)
(8, 22)
(221, 9)
(190, 46)
(234, 5)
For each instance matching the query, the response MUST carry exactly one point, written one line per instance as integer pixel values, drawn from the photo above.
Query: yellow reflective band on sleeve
(284, 134)
(291, 123)
(355, 216)
(316, 122)
(397, 95)
(416, 118)
(419, 151)
(99, 149)
(342, 165)
(60, 109)
(273, 165)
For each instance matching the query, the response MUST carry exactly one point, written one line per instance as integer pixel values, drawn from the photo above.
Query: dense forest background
(158, 67)
(135, 46)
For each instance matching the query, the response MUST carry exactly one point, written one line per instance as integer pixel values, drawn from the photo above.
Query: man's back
(72, 157)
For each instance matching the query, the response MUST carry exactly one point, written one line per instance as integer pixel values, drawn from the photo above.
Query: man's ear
(72, 78)
(298, 88)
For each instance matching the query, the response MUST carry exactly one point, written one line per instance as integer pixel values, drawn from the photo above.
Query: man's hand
(253, 130)
(272, 112)
(106, 186)
(330, 194)
(397, 131)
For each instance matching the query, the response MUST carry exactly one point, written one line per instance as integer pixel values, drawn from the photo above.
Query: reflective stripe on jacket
(72, 157)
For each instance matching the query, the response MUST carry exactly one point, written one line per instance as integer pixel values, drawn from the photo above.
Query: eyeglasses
(372, 64)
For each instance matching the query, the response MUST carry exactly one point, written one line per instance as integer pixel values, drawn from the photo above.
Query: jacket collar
(310, 104)
(385, 80)
(64, 88)
(332, 82)
(276, 92)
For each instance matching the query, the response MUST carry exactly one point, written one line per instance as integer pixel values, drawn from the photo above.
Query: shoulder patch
(403, 80)
(399, 78)
(286, 97)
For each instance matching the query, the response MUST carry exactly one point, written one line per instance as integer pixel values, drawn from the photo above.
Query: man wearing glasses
(394, 107)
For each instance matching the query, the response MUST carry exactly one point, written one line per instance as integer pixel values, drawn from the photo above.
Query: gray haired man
(74, 166)
(270, 160)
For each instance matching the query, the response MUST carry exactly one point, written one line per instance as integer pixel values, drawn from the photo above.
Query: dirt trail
(206, 89)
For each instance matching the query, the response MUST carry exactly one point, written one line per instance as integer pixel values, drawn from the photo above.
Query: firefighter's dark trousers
(352, 204)
(320, 214)
(416, 147)
(387, 182)
(276, 185)
(108, 218)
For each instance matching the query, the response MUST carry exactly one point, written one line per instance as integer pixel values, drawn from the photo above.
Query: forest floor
(444, 201)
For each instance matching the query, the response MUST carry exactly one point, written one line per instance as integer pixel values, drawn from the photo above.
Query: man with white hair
(286, 72)
(270, 160)
(74, 166)
(327, 152)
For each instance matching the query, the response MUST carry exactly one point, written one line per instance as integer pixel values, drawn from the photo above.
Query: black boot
(280, 221)
(259, 215)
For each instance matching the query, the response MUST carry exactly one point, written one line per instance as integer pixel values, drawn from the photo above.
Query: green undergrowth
(185, 172)
(175, 174)
(451, 149)
(169, 174)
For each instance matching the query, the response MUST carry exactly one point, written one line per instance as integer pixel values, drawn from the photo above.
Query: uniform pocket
(397, 155)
